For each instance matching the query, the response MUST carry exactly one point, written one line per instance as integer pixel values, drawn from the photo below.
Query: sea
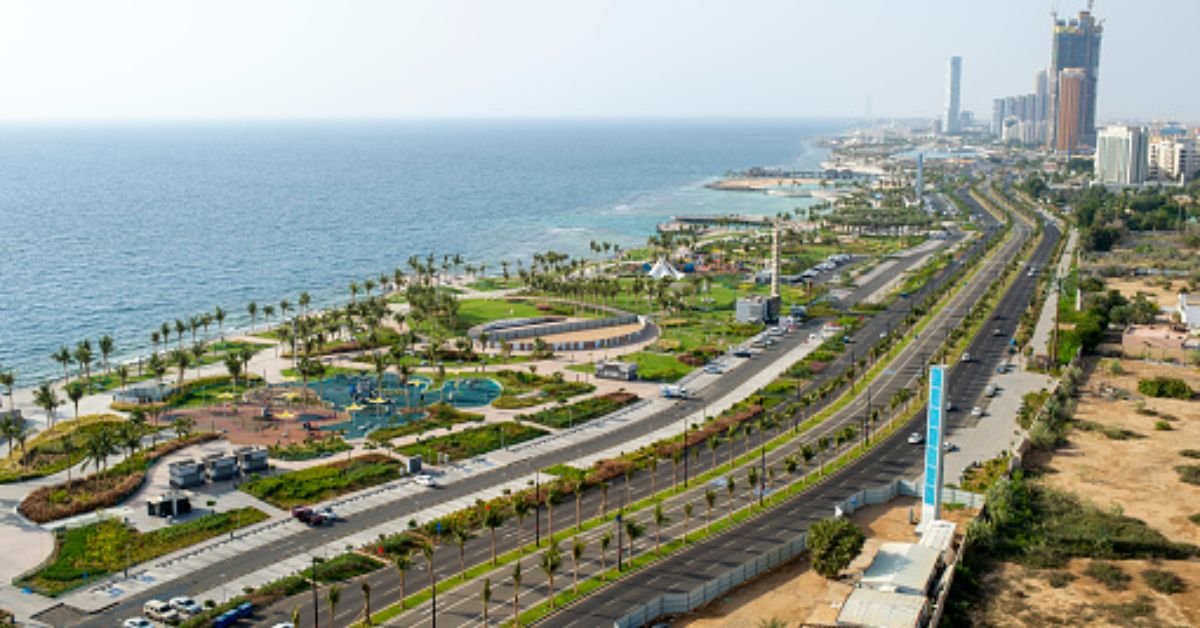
(114, 228)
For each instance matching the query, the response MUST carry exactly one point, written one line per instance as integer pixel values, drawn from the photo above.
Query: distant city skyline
(305, 59)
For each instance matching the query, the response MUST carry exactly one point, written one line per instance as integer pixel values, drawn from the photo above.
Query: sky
(164, 59)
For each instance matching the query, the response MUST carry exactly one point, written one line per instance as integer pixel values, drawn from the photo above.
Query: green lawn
(654, 367)
(316, 484)
(581, 411)
(93, 551)
(53, 450)
(472, 442)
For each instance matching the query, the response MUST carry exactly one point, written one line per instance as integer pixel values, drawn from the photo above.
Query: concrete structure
(251, 459)
(905, 568)
(170, 504)
(951, 118)
(1173, 158)
(1121, 155)
(624, 371)
(758, 309)
(1075, 50)
(218, 467)
(939, 536)
(1189, 311)
(1068, 124)
(931, 489)
(186, 474)
(868, 607)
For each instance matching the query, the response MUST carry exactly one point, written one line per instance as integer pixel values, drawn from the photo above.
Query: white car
(425, 479)
(949, 447)
(186, 606)
(286, 624)
(976, 411)
(916, 438)
(159, 610)
(137, 622)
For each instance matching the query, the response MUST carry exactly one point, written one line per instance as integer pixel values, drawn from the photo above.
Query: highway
(894, 458)
(213, 576)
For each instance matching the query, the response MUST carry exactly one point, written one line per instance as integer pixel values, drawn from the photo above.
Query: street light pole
(537, 512)
(316, 615)
(620, 543)
(685, 453)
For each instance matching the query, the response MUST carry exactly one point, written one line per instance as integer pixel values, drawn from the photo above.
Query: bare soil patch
(1152, 288)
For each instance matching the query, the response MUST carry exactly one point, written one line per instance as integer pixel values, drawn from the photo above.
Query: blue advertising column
(931, 488)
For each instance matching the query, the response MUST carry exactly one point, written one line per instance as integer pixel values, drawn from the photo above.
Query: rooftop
(901, 567)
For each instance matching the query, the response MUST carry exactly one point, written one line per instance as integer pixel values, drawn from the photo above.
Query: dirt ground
(1167, 298)
(795, 594)
(1138, 476)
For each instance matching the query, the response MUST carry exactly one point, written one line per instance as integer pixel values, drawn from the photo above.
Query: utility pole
(619, 542)
(537, 512)
(316, 614)
(762, 475)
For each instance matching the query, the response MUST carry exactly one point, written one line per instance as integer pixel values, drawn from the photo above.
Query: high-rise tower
(1076, 45)
(952, 119)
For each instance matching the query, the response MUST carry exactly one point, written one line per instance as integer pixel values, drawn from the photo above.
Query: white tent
(663, 268)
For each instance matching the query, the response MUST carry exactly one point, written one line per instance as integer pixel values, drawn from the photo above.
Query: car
(159, 610)
(137, 622)
(883, 334)
(976, 411)
(949, 447)
(966, 357)
(286, 624)
(424, 479)
(991, 390)
(714, 369)
(916, 438)
(950, 407)
(996, 332)
(1002, 369)
(742, 352)
(186, 606)
(847, 339)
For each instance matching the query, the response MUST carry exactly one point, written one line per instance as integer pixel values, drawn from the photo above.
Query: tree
(629, 470)
(461, 534)
(107, 346)
(730, 487)
(75, 392)
(182, 359)
(577, 548)
(366, 590)
(712, 447)
(634, 530)
(485, 596)
(550, 563)
(710, 499)
(219, 315)
(552, 497)
(47, 399)
(183, 426)
(252, 309)
(428, 543)
(63, 357)
(660, 519)
(605, 541)
(83, 356)
(9, 430)
(123, 375)
(521, 508)
(833, 543)
(8, 379)
(493, 518)
(333, 596)
(516, 580)
(687, 516)
(97, 449)
(402, 562)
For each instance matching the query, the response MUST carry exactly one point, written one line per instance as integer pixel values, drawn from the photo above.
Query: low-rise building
(220, 467)
(624, 371)
(252, 459)
(1189, 311)
(186, 473)
(758, 309)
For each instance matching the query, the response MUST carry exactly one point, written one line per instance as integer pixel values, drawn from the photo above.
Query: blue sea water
(115, 228)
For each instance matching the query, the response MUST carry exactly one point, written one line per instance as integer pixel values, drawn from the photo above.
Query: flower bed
(316, 484)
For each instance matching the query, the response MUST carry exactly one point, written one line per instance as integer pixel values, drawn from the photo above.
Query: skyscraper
(1068, 124)
(1121, 155)
(1076, 45)
(952, 120)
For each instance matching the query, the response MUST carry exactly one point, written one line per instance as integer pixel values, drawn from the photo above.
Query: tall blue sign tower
(931, 488)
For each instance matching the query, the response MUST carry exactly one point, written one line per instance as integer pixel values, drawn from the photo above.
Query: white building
(952, 120)
(1121, 155)
(1173, 158)
(1189, 312)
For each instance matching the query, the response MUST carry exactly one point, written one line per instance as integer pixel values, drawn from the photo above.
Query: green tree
(710, 500)
(46, 398)
(333, 596)
(493, 518)
(8, 379)
(402, 562)
(366, 591)
(660, 519)
(833, 543)
(183, 426)
(9, 430)
(485, 596)
(550, 563)
(516, 580)
(107, 346)
(687, 516)
(461, 534)
(578, 546)
(63, 357)
(75, 391)
(634, 530)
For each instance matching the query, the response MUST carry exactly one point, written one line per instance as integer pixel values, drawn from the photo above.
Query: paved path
(1045, 324)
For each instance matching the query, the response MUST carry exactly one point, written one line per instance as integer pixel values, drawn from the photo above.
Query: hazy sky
(301, 58)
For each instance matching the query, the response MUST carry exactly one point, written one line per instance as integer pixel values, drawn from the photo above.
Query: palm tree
(183, 426)
(428, 543)
(8, 379)
(461, 534)
(154, 339)
(123, 375)
(730, 487)
(180, 328)
(402, 562)
(353, 291)
(219, 315)
(516, 579)
(605, 541)
(577, 548)
(552, 497)
(75, 392)
(634, 530)
(493, 518)
(63, 357)
(629, 469)
(106, 349)
(603, 499)
(252, 310)
(9, 430)
(551, 562)
(653, 475)
(333, 596)
(366, 590)
(157, 367)
(712, 447)
(182, 360)
(305, 300)
(521, 508)
(47, 399)
(83, 356)
(660, 519)
(687, 516)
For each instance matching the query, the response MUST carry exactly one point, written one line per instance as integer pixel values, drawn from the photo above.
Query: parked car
(425, 479)
(916, 438)
(949, 447)
(308, 516)
(186, 606)
(137, 622)
(991, 390)
(742, 352)
(976, 411)
(1002, 369)
(966, 357)
(713, 369)
(159, 610)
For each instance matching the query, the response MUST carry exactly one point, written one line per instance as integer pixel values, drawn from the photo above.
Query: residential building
(1068, 126)
(1075, 48)
(1173, 158)
(1121, 155)
(1189, 311)
(952, 119)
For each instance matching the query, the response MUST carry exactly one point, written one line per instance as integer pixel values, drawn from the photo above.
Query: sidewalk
(1045, 324)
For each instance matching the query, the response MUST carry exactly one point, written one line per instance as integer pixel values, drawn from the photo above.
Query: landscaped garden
(310, 449)
(582, 411)
(93, 551)
(653, 367)
(524, 389)
(317, 484)
(472, 442)
(440, 415)
(63, 445)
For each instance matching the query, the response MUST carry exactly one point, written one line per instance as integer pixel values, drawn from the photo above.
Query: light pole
(619, 541)
(316, 616)
(537, 512)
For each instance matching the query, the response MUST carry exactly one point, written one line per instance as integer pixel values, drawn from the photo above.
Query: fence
(675, 603)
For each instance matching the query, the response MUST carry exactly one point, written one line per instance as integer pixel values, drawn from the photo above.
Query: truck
(674, 392)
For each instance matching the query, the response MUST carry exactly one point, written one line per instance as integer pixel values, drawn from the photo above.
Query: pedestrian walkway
(1045, 325)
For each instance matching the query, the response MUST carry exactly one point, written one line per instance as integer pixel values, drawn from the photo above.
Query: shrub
(1163, 581)
(315, 448)
(1171, 387)
(1195, 518)
(1108, 574)
(1126, 613)
(833, 543)
(1190, 453)
(1189, 473)
(1060, 579)
(1162, 425)
(322, 482)
(582, 411)
(472, 442)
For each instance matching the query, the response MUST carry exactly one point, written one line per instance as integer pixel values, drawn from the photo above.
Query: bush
(1170, 387)
(1190, 453)
(1060, 579)
(1108, 574)
(315, 448)
(319, 483)
(1163, 426)
(1163, 581)
(472, 442)
(582, 411)
(833, 543)
(1189, 473)
(438, 415)
(1125, 614)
